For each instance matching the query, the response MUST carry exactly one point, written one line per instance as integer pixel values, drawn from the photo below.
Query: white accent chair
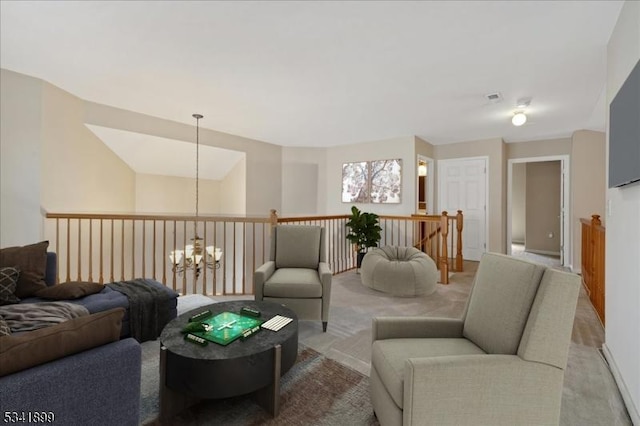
(297, 274)
(501, 364)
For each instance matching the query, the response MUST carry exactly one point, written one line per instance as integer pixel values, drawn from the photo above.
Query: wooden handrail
(187, 218)
(109, 247)
(593, 262)
(427, 238)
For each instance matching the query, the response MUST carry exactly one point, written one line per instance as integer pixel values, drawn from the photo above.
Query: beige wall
(20, 159)
(622, 282)
(233, 191)
(539, 148)
(423, 147)
(493, 149)
(543, 207)
(79, 172)
(403, 148)
(518, 202)
(588, 194)
(171, 195)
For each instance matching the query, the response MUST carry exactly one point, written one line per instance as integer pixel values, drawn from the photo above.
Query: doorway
(424, 196)
(537, 209)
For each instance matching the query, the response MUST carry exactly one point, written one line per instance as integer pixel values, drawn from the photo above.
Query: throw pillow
(5, 330)
(8, 282)
(21, 351)
(31, 260)
(70, 290)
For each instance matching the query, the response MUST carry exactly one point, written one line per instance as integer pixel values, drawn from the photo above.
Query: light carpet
(590, 396)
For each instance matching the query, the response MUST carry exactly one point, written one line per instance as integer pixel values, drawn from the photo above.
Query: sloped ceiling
(168, 157)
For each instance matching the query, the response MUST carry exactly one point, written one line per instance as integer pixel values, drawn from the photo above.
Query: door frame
(487, 209)
(429, 184)
(565, 207)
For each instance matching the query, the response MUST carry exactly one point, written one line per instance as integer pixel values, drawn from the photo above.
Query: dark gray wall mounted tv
(624, 132)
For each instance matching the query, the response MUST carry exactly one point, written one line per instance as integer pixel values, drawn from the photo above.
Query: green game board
(227, 327)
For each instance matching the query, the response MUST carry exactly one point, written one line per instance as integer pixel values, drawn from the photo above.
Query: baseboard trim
(547, 252)
(626, 396)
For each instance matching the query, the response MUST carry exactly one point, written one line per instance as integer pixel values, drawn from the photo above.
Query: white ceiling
(326, 73)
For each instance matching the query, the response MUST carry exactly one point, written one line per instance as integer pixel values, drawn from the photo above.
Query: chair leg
(324, 326)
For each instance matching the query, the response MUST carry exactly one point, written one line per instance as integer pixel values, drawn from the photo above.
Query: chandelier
(193, 256)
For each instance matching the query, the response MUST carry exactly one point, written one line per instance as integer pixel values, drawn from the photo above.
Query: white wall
(304, 182)
(588, 184)
(233, 191)
(20, 159)
(622, 282)
(157, 194)
(403, 148)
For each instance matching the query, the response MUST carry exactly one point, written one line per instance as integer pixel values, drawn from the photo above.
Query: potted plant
(364, 232)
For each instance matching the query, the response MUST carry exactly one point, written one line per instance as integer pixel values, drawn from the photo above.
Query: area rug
(316, 391)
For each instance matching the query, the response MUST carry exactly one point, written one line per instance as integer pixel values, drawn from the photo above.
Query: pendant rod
(195, 222)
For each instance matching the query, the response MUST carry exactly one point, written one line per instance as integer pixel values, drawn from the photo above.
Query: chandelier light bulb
(519, 118)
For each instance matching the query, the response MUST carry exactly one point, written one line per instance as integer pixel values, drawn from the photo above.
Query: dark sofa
(95, 383)
(100, 386)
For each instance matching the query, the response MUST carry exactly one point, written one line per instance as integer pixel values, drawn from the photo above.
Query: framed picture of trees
(386, 181)
(377, 181)
(355, 182)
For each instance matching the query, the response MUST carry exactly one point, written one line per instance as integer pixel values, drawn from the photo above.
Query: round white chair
(400, 271)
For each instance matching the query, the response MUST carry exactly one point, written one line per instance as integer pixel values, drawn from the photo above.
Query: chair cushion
(388, 358)
(293, 283)
(500, 302)
(297, 246)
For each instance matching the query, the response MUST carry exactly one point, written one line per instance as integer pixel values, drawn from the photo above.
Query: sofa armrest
(415, 327)
(100, 386)
(493, 388)
(260, 276)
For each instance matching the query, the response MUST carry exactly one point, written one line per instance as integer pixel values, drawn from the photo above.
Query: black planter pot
(359, 259)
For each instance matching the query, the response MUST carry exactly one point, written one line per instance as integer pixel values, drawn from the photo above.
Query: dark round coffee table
(189, 372)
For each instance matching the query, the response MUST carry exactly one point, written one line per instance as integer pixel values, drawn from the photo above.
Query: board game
(226, 327)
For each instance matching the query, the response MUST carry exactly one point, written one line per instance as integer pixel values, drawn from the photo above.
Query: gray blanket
(148, 308)
(32, 316)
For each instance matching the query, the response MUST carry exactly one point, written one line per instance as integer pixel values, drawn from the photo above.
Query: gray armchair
(501, 364)
(297, 274)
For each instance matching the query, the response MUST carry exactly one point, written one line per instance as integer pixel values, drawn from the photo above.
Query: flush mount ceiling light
(519, 118)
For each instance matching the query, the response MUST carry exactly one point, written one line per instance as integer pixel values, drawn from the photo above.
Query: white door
(463, 186)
